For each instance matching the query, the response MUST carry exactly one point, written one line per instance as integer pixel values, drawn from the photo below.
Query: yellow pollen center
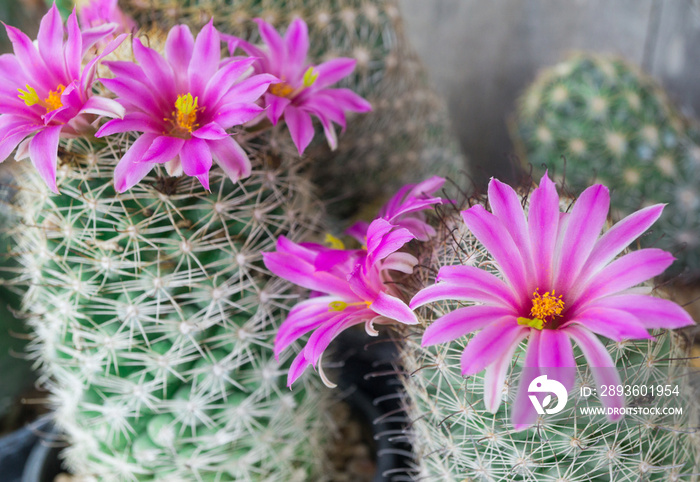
(185, 114)
(333, 242)
(281, 89)
(342, 305)
(543, 307)
(51, 103)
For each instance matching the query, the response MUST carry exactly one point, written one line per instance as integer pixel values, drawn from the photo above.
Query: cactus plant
(406, 139)
(596, 117)
(456, 438)
(154, 317)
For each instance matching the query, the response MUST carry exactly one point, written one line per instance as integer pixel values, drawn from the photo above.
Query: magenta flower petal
(179, 46)
(346, 99)
(496, 239)
(277, 48)
(543, 223)
(304, 317)
(237, 114)
(102, 106)
(483, 280)
(275, 107)
(50, 41)
(496, 372)
(157, 70)
(393, 308)
(299, 364)
(297, 45)
(231, 157)
(628, 271)
(300, 127)
(557, 357)
(505, 205)
(130, 171)
(403, 262)
(523, 412)
(205, 57)
(134, 121)
(196, 157)
(587, 219)
(324, 335)
(649, 311)
(162, 150)
(449, 291)
(462, 321)
(224, 79)
(43, 151)
(288, 267)
(91, 36)
(333, 71)
(612, 323)
(489, 344)
(30, 60)
(602, 365)
(211, 131)
(249, 90)
(618, 238)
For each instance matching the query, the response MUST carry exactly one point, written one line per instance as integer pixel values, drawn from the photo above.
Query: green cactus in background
(154, 317)
(611, 123)
(456, 439)
(406, 139)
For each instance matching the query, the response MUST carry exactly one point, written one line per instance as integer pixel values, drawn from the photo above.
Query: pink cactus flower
(351, 288)
(561, 282)
(183, 104)
(46, 93)
(405, 209)
(304, 88)
(93, 13)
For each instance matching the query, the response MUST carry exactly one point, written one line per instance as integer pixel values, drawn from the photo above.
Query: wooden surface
(483, 54)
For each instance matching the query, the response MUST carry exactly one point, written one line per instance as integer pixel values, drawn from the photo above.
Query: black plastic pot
(24, 457)
(368, 378)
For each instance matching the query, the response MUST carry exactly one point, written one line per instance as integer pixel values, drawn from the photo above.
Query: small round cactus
(153, 316)
(597, 118)
(456, 438)
(405, 139)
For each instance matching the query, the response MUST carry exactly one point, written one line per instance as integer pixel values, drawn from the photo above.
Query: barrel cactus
(405, 139)
(466, 424)
(595, 117)
(152, 313)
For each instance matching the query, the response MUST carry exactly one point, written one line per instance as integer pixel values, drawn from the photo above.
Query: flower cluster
(46, 91)
(560, 282)
(350, 287)
(183, 104)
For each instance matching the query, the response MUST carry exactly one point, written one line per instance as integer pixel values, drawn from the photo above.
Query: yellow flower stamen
(543, 307)
(186, 112)
(533, 323)
(342, 305)
(333, 242)
(29, 97)
(51, 103)
(310, 76)
(282, 89)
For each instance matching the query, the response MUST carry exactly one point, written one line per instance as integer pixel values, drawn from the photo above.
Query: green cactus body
(407, 137)
(456, 439)
(611, 123)
(153, 317)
